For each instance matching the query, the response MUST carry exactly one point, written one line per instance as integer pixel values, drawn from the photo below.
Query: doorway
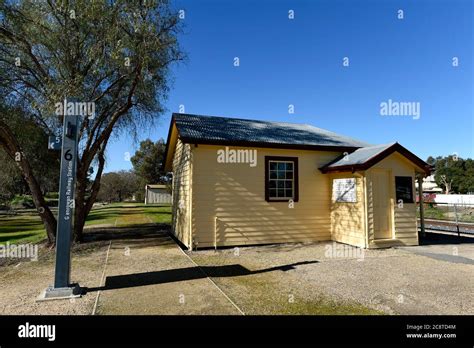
(382, 204)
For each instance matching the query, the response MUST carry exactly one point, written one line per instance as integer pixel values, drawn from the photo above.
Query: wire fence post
(456, 219)
(420, 200)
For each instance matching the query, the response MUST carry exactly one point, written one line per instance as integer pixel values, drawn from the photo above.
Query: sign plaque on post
(54, 143)
(62, 284)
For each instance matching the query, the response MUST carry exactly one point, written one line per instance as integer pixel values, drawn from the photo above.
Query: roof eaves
(167, 148)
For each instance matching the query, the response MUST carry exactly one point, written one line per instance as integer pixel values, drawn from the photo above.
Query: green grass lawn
(26, 227)
(434, 213)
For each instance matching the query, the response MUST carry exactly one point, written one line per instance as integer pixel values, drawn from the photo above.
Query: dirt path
(153, 276)
(142, 276)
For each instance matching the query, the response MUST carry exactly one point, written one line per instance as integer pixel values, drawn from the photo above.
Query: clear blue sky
(299, 62)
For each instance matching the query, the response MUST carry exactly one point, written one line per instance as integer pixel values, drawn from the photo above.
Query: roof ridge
(378, 145)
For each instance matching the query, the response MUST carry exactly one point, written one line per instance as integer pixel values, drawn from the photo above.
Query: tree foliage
(148, 160)
(119, 186)
(453, 174)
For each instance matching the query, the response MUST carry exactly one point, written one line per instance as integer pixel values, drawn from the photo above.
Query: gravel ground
(143, 275)
(22, 282)
(153, 276)
(435, 279)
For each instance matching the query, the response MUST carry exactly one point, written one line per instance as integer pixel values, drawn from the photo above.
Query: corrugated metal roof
(199, 128)
(154, 186)
(361, 155)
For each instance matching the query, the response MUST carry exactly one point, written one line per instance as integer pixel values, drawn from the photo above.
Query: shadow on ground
(183, 274)
(102, 214)
(145, 231)
(441, 238)
(7, 238)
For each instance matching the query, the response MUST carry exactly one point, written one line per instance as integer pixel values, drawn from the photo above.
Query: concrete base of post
(51, 293)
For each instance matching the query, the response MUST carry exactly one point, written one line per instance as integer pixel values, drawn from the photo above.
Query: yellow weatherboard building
(246, 182)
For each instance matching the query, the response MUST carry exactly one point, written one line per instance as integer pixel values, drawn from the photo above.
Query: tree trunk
(83, 206)
(79, 209)
(49, 221)
(13, 149)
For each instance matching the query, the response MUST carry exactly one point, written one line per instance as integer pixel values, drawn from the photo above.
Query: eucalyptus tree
(115, 55)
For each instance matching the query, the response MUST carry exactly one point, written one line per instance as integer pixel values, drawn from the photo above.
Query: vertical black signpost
(62, 287)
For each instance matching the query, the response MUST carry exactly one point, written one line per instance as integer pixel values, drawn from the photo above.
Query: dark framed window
(281, 179)
(404, 189)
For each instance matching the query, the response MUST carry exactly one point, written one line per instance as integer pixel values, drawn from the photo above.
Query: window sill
(280, 200)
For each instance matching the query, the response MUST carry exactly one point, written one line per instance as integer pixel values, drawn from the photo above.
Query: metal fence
(448, 217)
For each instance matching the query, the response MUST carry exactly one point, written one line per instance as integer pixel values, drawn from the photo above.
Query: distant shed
(157, 194)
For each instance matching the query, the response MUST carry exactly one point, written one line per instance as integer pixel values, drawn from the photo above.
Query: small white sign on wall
(344, 190)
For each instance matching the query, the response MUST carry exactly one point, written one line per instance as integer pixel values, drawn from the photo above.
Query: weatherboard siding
(223, 204)
(348, 218)
(181, 203)
(404, 221)
(229, 206)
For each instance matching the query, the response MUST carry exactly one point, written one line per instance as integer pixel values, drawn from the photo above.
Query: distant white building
(429, 185)
(454, 199)
(435, 194)
(157, 194)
